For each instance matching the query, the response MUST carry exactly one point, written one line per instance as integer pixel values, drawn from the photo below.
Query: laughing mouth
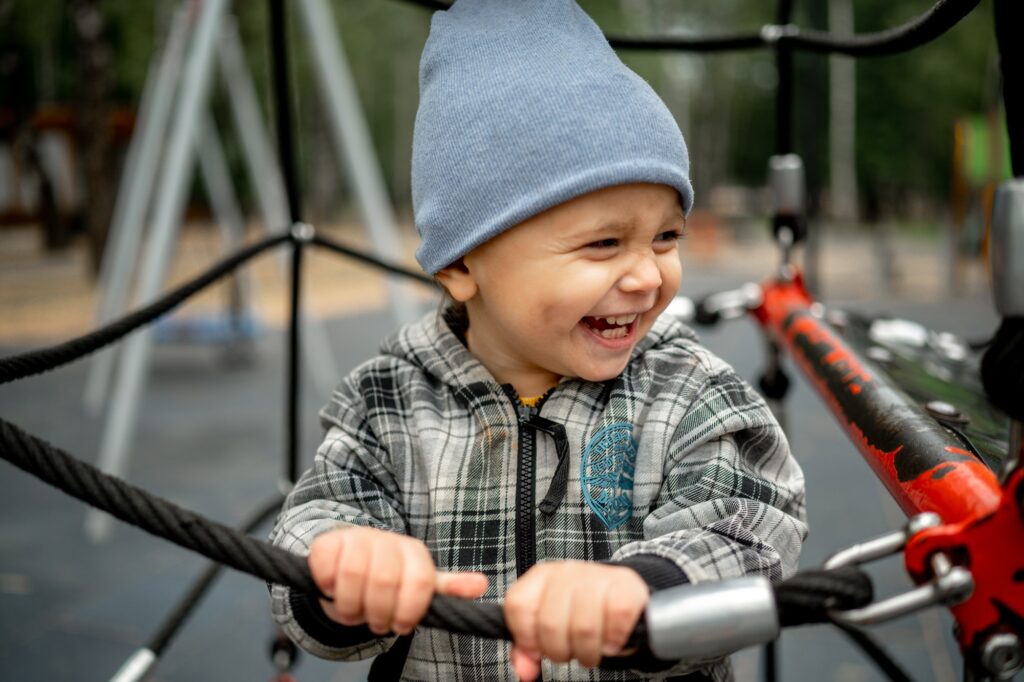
(615, 327)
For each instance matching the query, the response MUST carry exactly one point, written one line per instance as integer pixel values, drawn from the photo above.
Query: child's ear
(458, 280)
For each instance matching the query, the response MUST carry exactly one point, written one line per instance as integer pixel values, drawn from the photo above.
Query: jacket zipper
(526, 482)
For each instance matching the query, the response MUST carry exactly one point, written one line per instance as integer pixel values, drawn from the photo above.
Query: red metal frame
(922, 464)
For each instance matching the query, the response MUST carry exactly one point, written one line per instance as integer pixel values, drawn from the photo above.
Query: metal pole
(171, 197)
(227, 214)
(352, 138)
(127, 227)
(265, 175)
(286, 155)
(784, 93)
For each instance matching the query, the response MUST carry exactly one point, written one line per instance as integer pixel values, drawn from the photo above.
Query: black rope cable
(784, 89)
(886, 664)
(149, 512)
(810, 595)
(937, 20)
(277, 16)
(337, 247)
(42, 360)
(188, 602)
(1009, 17)
(842, 589)
(1002, 368)
(292, 397)
(921, 30)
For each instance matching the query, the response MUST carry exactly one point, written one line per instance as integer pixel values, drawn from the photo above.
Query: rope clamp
(773, 33)
(728, 305)
(949, 586)
(302, 233)
(711, 619)
(1007, 250)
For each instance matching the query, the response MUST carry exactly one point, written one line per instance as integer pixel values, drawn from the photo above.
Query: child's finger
(522, 602)
(468, 585)
(526, 666)
(323, 559)
(553, 618)
(382, 583)
(622, 609)
(350, 578)
(586, 626)
(417, 587)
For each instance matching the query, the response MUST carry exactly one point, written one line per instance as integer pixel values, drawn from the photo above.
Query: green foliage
(906, 105)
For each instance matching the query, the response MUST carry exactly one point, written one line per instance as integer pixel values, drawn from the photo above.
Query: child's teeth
(616, 333)
(620, 319)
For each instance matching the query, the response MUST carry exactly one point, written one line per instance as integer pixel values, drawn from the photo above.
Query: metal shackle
(786, 177)
(1007, 248)
(706, 620)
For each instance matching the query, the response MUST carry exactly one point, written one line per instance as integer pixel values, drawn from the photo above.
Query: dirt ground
(47, 297)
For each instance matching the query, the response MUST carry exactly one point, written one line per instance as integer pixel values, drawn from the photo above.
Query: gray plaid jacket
(676, 458)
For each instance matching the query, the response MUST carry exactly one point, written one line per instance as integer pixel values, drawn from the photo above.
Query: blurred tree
(97, 52)
(907, 105)
(95, 67)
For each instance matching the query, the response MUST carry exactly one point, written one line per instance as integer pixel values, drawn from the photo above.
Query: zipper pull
(526, 413)
(560, 480)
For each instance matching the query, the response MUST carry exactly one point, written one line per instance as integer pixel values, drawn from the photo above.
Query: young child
(548, 440)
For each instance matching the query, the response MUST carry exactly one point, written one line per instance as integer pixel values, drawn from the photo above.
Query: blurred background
(901, 154)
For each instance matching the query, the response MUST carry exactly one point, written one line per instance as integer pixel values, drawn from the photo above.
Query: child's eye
(669, 236)
(609, 243)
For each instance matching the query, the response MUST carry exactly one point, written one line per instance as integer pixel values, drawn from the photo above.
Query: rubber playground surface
(210, 437)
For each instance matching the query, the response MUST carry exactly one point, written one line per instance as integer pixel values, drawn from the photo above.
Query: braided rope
(942, 16)
(339, 248)
(43, 360)
(805, 598)
(808, 596)
(151, 513)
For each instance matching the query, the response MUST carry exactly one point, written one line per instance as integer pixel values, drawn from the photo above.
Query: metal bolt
(951, 345)
(945, 412)
(303, 232)
(772, 33)
(879, 354)
(1002, 655)
(919, 522)
(837, 318)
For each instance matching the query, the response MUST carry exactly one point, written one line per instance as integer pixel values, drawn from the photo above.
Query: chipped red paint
(991, 547)
(923, 466)
(920, 462)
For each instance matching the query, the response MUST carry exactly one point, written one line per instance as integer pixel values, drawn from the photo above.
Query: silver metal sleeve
(705, 620)
(136, 667)
(786, 175)
(1007, 249)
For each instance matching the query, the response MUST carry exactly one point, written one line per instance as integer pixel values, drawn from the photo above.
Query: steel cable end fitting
(773, 33)
(1007, 251)
(706, 620)
(302, 233)
(136, 667)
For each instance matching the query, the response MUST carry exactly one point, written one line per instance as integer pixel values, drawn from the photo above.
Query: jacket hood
(434, 345)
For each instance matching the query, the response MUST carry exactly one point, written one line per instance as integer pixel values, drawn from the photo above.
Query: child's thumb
(527, 666)
(465, 585)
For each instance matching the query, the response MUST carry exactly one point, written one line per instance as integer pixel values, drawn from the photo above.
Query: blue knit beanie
(523, 106)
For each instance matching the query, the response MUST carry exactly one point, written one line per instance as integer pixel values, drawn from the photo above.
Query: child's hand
(383, 579)
(572, 609)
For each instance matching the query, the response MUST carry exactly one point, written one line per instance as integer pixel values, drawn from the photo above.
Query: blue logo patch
(606, 474)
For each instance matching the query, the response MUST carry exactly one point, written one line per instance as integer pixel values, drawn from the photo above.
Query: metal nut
(1002, 655)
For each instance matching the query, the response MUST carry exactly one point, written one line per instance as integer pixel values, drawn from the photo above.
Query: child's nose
(643, 275)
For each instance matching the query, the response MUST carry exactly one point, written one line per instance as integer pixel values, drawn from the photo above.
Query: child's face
(540, 295)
